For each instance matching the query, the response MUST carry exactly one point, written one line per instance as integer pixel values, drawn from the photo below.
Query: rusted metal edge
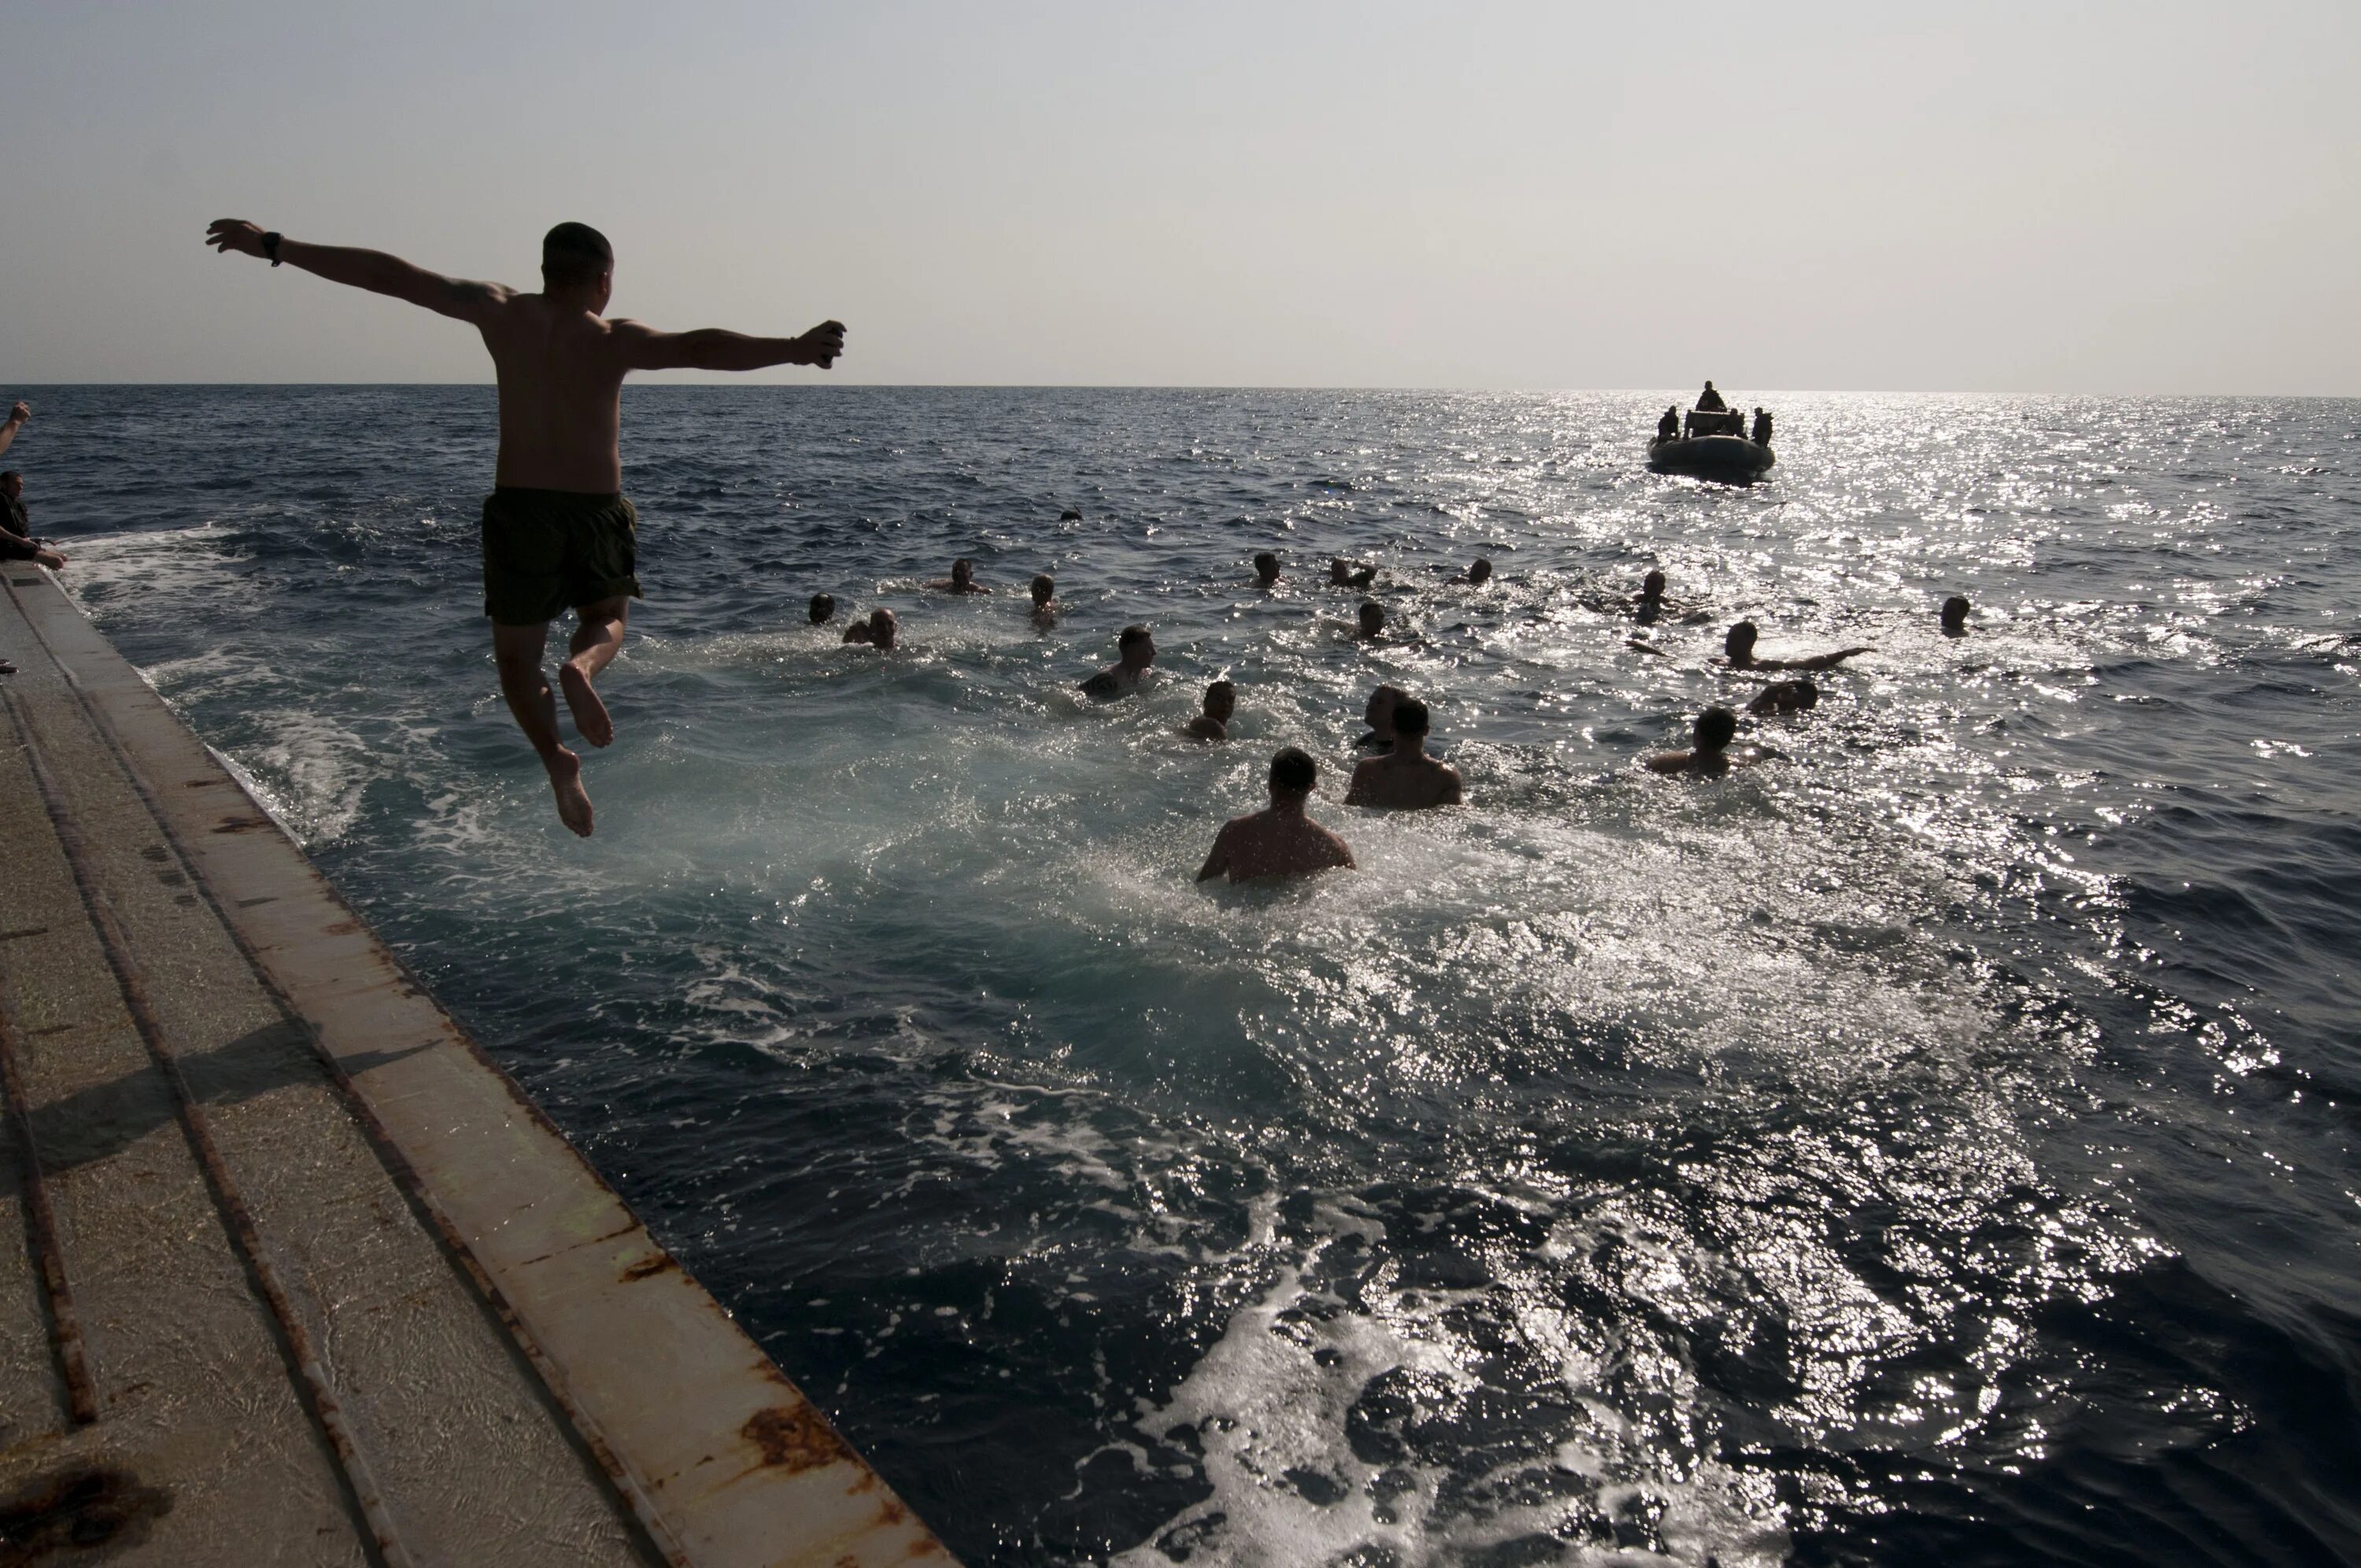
(312, 1381)
(576, 1422)
(815, 1442)
(42, 1237)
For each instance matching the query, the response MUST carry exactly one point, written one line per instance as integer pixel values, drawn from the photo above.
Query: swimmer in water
(1213, 724)
(823, 609)
(1266, 570)
(1280, 840)
(1347, 574)
(1739, 646)
(1380, 717)
(1407, 779)
(1480, 573)
(1138, 651)
(1045, 601)
(1372, 623)
(880, 630)
(1955, 616)
(1649, 608)
(1711, 756)
(1785, 696)
(960, 581)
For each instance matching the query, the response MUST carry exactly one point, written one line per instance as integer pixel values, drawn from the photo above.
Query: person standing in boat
(1669, 427)
(1709, 402)
(1762, 427)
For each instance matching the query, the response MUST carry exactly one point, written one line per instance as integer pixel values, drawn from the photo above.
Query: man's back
(561, 376)
(1278, 843)
(1404, 784)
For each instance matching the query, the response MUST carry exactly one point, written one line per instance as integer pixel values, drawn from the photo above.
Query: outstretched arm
(370, 269)
(711, 348)
(16, 418)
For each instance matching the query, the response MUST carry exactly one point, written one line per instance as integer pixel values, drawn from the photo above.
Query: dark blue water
(1934, 1145)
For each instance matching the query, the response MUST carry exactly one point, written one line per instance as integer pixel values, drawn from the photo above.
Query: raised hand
(226, 235)
(20, 412)
(824, 343)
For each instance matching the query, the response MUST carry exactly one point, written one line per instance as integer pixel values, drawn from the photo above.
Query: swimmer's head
(882, 628)
(1715, 728)
(1136, 646)
(1410, 718)
(1373, 618)
(1267, 567)
(1652, 586)
(575, 257)
(1481, 572)
(1070, 515)
(1739, 643)
(1806, 694)
(962, 571)
(823, 609)
(1955, 614)
(1292, 774)
(1221, 701)
(1045, 589)
(1339, 569)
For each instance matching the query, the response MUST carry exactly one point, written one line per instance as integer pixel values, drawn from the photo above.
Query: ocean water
(1934, 1145)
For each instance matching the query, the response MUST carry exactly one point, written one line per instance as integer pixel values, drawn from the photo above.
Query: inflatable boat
(1732, 460)
(1712, 446)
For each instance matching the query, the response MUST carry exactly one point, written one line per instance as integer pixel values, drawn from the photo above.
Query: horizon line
(802, 386)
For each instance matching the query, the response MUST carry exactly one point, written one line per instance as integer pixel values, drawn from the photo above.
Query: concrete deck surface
(288, 1272)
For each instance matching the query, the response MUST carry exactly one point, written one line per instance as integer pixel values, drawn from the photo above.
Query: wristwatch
(270, 246)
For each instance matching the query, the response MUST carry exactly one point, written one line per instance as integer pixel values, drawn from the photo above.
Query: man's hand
(19, 413)
(823, 344)
(226, 235)
(50, 558)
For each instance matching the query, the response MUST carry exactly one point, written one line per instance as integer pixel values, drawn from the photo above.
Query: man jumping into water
(559, 534)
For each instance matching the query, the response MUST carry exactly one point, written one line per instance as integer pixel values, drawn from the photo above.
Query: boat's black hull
(1732, 460)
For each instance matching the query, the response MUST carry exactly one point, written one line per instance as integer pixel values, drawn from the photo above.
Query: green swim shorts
(546, 552)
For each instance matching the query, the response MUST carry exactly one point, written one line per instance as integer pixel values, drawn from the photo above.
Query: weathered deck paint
(216, 1076)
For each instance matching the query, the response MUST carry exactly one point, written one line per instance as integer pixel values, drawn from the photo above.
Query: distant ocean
(1936, 1145)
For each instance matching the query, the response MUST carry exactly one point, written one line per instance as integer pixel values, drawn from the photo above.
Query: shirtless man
(879, 631)
(1739, 646)
(1955, 616)
(559, 534)
(1347, 574)
(1380, 717)
(1138, 651)
(823, 609)
(1714, 731)
(1213, 724)
(1407, 779)
(1266, 570)
(1045, 601)
(1372, 622)
(962, 580)
(1280, 840)
(1479, 572)
(1649, 608)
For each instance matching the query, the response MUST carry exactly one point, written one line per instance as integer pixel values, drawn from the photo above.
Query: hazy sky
(2162, 197)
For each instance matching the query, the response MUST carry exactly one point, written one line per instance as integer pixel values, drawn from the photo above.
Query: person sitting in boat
(1709, 402)
(1762, 427)
(1669, 427)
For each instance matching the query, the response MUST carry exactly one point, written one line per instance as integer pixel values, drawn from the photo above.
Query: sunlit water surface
(1935, 1144)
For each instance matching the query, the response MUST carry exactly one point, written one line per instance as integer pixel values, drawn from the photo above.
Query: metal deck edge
(727, 1463)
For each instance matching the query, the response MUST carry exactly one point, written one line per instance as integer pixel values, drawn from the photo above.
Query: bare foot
(566, 780)
(590, 719)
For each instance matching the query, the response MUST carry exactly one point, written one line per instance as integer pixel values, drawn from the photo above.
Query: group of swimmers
(1284, 839)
